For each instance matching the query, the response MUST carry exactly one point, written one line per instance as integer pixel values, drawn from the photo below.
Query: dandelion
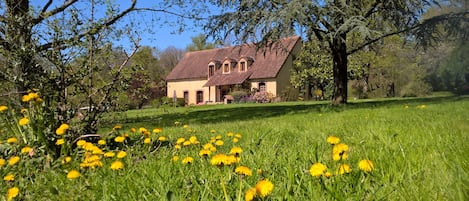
(62, 129)
(186, 143)
(121, 154)
(117, 127)
(238, 135)
(333, 140)
(339, 152)
(218, 160)
(12, 193)
(13, 160)
(81, 143)
(193, 139)
(73, 174)
(250, 194)
(264, 188)
(26, 150)
(344, 168)
(119, 139)
(180, 140)
(3, 108)
(177, 147)
(219, 142)
(235, 140)
(212, 131)
(2, 162)
(366, 165)
(157, 130)
(188, 160)
(60, 141)
(317, 169)
(101, 142)
(147, 140)
(12, 140)
(243, 170)
(9, 177)
(205, 152)
(236, 151)
(109, 154)
(117, 165)
(162, 138)
(328, 174)
(142, 130)
(66, 160)
(175, 158)
(23, 121)
(133, 130)
(230, 134)
(185, 126)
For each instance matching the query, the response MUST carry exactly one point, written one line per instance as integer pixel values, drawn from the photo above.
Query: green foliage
(199, 42)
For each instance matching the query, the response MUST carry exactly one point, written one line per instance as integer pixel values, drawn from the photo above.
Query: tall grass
(418, 146)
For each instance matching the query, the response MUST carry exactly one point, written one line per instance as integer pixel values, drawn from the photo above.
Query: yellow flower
(101, 142)
(333, 140)
(218, 137)
(212, 131)
(219, 142)
(67, 159)
(236, 151)
(23, 121)
(177, 147)
(73, 174)
(9, 177)
(2, 162)
(238, 135)
(3, 108)
(366, 165)
(186, 143)
(328, 174)
(80, 143)
(235, 140)
(13, 160)
(133, 130)
(60, 141)
(162, 138)
(243, 170)
(317, 169)
(12, 193)
(339, 152)
(119, 139)
(230, 134)
(175, 158)
(109, 154)
(117, 165)
(264, 188)
(62, 129)
(121, 154)
(218, 160)
(147, 140)
(250, 194)
(180, 140)
(26, 150)
(205, 152)
(116, 127)
(12, 140)
(157, 130)
(344, 168)
(185, 126)
(193, 139)
(188, 160)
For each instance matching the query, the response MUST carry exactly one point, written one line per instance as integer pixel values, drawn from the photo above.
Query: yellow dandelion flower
(2, 162)
(235, 140)
(333, 140)
(157, 130)
(264, 188)
(119, 139)
(162, 138)
(66, 160)
(219, 142)
(188, 160)
(236, 151)
(3, 108)
(238, 135)
(243, 170)
(26, 150)
(339, 152)
(12, 193)
(147, 140)
(205, 153)
(186, 143)
(180, 140)
(62, 129)
(117, 165)
(23, 121)
(13, 160)
(109, 154)
(230, 134)
(101, 142)
(366, 165)
(12, 140)
(177, 147)
(175, 158)
(344, 168)
(73, 174)
(121, 154)
(218, 137)
(218, 160)
(193, 139)
(60, 141)
(317, 169)
(9, 177)
(185, 126)
(133, 130)
(328, 174)
(142, 130)
(117, 127)
(250, 194)
(81, 143)
(212, 131)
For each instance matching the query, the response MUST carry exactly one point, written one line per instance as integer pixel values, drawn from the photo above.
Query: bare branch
(43, 15)
(169, 12)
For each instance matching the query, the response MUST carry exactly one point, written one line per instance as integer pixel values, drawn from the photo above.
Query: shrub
(238, 95)
(263, 97)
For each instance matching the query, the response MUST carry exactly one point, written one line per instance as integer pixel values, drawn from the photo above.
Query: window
(242, 66)
(226, 68)
(199, 97)
(186, 98)
(262, 87)
(211, 70)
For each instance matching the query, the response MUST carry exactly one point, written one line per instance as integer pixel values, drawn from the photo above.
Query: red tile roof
(267, 62)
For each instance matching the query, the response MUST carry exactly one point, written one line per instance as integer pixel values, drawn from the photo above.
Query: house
(208, 76)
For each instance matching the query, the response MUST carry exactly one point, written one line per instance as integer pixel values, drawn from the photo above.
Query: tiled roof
(267, 62)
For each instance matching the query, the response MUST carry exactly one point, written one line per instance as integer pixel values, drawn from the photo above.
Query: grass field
(419, 149)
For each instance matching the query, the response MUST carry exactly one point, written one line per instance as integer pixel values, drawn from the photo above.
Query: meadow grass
(418, 146)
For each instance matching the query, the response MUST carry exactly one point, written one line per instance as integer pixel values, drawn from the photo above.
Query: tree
(331, 22)
(199, 42)
(170, 57)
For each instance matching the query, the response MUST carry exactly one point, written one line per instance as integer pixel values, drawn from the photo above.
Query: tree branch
(61, 44)
(169, 12)
(43, 15)
(372, 9)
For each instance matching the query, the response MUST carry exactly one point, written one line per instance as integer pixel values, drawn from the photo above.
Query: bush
(238, 95)
(263, 97)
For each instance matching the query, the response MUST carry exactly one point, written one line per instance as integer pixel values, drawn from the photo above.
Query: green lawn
(418, 146)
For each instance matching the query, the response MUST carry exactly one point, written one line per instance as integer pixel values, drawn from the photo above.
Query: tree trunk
(339, 56)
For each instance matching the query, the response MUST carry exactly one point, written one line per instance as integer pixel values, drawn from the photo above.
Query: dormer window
(213, 66)
(211, 70)
(226, 68)
(244, 63)
(242, 66)
(228, 65)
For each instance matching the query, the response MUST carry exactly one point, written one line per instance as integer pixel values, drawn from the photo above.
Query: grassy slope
(419, 154)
